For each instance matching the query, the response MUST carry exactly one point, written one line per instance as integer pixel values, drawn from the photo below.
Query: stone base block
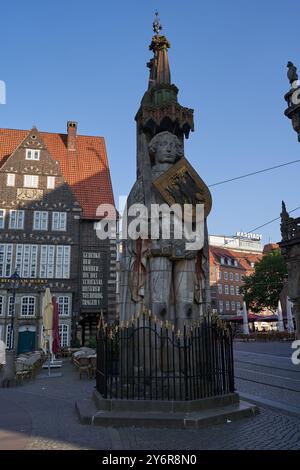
(146, 413)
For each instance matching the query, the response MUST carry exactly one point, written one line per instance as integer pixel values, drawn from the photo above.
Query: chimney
(72, 135)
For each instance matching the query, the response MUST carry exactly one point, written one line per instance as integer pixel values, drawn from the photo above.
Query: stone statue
(161, 273)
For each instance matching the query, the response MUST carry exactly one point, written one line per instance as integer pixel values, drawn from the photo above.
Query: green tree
(261, 290)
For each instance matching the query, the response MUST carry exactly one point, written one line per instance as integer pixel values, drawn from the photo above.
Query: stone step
(89, 414)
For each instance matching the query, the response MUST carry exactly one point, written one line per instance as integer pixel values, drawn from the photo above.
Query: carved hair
(154, 142)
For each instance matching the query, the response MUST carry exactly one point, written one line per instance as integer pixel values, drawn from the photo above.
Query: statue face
(166, 148)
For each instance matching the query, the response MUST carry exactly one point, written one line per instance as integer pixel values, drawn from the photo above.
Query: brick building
(228, 267)
(50, 188)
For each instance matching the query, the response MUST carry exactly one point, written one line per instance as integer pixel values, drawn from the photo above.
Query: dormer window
(11, 179)
(32, 154)
(31, 181)
(222, 260)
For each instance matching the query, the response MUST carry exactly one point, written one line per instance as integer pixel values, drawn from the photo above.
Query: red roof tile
(86, 171)
(243, 258)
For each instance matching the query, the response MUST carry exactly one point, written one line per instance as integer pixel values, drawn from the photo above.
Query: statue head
(165, 147)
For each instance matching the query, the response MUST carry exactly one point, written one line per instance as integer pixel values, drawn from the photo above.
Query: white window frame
(231, 276)
(47, 261)
(237, 277)
(64, 339)
(16, 219)
(238, 306)
(221, 306)
(31, 181)
(11, 179)
(1, 306)
(220, 288)
(233, 306)
(40, 220)
(237, 290)
(59, 221)
(231, 290)
(6, 253)
(63, 261)
(32, 154)
(2, 218)
(30, 302)
(50, 182)
(64, 304)
(227, 306)
(220, 274)
(226, 289)
(226, 276)
(9, 330)
(11, 306)
(222, 260)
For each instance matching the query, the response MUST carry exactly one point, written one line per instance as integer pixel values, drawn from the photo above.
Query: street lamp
(14, 278)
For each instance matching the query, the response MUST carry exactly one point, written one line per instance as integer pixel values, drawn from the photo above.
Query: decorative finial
(157, 27)
(292, 72)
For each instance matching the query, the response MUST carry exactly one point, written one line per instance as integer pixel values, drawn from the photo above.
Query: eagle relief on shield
(182, 185)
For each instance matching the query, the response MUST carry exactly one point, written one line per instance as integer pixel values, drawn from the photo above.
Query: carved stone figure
(162, 273)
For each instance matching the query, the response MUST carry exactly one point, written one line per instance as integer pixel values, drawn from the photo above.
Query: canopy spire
(157, 27)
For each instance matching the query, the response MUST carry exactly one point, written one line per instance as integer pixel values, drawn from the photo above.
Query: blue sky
(86, 61)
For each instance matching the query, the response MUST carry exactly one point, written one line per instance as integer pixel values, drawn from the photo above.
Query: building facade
(228, 267)
(50, 188)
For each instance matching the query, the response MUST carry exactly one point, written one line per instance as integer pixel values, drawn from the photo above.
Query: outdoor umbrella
(47, 321)
(55, 327)
(245, 319)
(280, 325)
(290, 322)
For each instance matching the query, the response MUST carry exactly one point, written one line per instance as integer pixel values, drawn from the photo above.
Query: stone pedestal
(8, 373)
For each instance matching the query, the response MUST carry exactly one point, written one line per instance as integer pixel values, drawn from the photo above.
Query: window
(32, 154)
(252, 264)
(237, 277)
(55, 261)
(50, 182)
(231, 290)
(233, 306)
(11, 179)
(222, 260)
(28, 306)
(242, 277)
(31, 181)
(62, 269)
(237, 290)
(11, 306)
(5, 260)
(227, 306)
(226, 276)
(226, 290)
(235, 262)
(231, 276)
(238, 306)
(26, 260)
(220, 290)
(220, 274)
(1, 305)
(2, 218)
(59, 221)
(63, 305)
(220, 306)
(47, 261)
(40, 220)
(8, 336)
(63, 335)
(16, 219)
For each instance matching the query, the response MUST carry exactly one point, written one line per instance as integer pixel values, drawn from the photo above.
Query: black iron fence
(145, 359)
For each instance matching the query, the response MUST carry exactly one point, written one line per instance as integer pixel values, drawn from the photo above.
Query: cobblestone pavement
(41, 415)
